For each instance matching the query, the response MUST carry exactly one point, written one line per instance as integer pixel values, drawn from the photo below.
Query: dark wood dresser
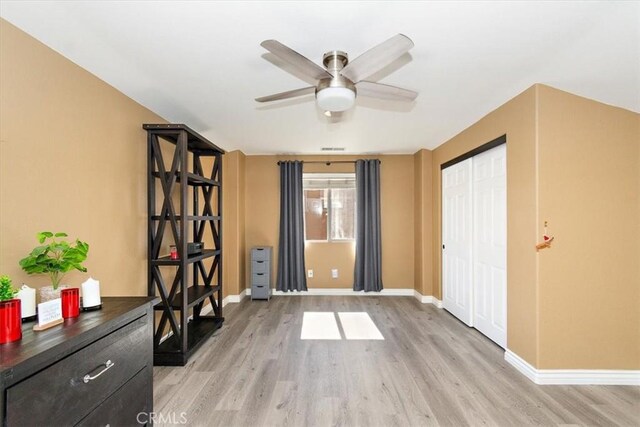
(96, 369)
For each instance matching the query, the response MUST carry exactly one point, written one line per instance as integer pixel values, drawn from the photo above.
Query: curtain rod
(328, 162)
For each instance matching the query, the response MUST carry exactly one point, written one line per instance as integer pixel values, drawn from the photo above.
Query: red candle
(10, 321)
(173, 253)
(70, 302)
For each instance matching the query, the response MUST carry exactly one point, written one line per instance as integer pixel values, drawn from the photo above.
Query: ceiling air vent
(332, 149)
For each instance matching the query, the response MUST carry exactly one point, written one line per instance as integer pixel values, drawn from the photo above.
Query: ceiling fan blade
(377, 58)
(378, 90)
(303, 63)
(287, 94)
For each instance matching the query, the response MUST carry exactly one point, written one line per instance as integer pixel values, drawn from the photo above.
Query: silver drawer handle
(107, 366)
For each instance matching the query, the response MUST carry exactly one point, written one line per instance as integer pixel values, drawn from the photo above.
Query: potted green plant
(55, 257)
(10, 318)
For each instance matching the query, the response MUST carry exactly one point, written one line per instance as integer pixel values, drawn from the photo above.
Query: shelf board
(195, 295)
(193, 179)
(168, 352)
(189, 217)
(206, 253)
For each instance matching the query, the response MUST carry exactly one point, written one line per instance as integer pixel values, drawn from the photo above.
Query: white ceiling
(200, 63)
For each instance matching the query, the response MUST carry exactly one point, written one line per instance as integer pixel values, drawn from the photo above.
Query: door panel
(457, 240)
(490, 244)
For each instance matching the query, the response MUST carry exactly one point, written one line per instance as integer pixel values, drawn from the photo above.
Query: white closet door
(456, 240)
(490, 244)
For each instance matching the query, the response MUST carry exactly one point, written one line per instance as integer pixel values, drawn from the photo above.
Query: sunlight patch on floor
(319, 325)
(359, 326)
(322, 325)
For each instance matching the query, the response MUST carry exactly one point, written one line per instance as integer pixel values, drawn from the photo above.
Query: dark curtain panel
(368, 268)
(291, 269)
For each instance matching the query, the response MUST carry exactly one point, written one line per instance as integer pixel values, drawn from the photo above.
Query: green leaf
(61, 235)
(59, 247)
(39, 250)
(42, 236)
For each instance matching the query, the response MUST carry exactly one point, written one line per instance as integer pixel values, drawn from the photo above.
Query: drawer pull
(108, 365)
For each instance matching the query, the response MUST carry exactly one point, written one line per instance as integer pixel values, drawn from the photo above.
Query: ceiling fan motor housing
(337, 93)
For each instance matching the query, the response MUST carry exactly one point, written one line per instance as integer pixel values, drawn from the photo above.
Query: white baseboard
(235, 298)
(404, 292)
(572, 376)
(428, 299)
(343, 292)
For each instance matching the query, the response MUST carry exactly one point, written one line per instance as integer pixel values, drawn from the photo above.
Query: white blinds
(321, 181)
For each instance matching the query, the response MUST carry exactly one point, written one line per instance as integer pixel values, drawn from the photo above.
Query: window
(329, 206)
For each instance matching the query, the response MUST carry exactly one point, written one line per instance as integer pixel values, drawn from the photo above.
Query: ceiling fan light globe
(335, 98)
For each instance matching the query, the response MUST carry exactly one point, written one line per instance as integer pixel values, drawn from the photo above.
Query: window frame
(329, 177)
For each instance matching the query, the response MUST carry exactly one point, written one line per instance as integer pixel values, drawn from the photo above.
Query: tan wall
(575, 163)
(72, 158)
(262, 190)
(516, 119)
(589, 192)
(233, 223)
(423, 219)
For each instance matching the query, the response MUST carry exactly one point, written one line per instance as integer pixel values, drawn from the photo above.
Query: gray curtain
(368, 267)
(291, 268)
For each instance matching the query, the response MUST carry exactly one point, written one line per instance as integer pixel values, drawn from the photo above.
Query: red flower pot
(70, 302)
(10, 321)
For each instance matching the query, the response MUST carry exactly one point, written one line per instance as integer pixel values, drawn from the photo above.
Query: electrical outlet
(334, 273)
(310, 274)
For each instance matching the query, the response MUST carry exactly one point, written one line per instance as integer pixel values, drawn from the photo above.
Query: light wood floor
(430, 370)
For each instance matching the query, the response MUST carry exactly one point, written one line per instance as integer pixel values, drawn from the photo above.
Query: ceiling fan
(338, 84)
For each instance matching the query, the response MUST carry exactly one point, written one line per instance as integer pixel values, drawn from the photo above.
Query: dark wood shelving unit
(184, 205)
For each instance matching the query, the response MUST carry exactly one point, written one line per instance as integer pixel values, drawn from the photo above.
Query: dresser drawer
(128, 406)
(260, 266)
(260, 254)
(59, 394)
(260, 292)
(259, 279)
